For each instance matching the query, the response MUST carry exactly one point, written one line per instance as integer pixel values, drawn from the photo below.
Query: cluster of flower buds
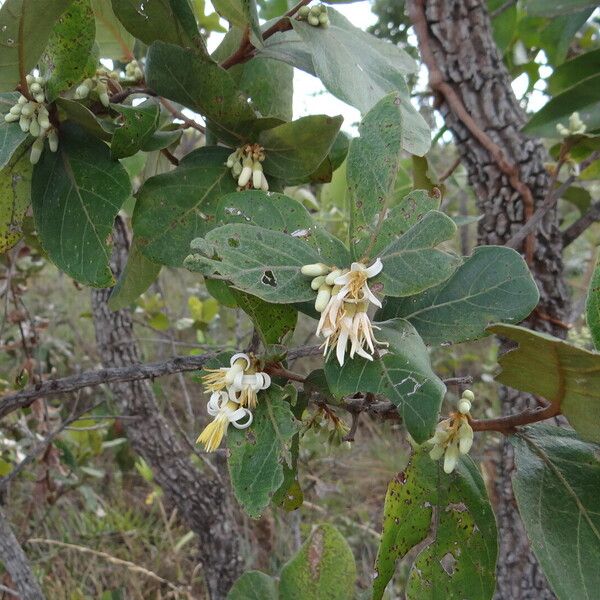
(454, 436)
(246, 166)
(99, 85)
(576, 126)
(234, 394)
(133, 71)
(343, 299)
(33, 118)
(314, 15)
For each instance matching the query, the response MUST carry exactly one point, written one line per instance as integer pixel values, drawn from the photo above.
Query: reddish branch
(506, 425)
(452, 99)
(246, 49)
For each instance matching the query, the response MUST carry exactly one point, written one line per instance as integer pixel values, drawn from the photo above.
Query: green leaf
(69, 47)
(374, 161)
(15, 197)
(273, 321)
(583, 97)
(270, 86)
(543, 8)
(355, 66)
(12, 138)
(261, 262)
(257, 454)
(403, 375)
(77, 193)
(323, 568)
(281, 213)
(254, 585)
(114, 41)
(80, 114)
(559, 372)
(492, 285)
(555, 484)
(241, 13)
(139, 124)
(197, 82)
(138, 275)
(573, 71)
(25, 26)
(173, 208)
(557, 36)
(412, 263)
(171, 21)
(452, 516)
(288, 47)
(593, 306)
(296, 149)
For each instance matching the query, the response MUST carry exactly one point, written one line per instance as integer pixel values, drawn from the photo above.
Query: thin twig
(572, 232)
(551, 199)
(187, 122)
(506, 425)
(449, 171)
(123, 95)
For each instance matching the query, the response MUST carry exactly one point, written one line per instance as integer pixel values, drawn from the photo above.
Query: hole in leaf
(233, 242)
(448, 562)
(268, 278)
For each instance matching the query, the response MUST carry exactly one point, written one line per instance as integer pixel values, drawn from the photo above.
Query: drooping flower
(453, 436)
(219, 379)
(225, 412)
(246, 387)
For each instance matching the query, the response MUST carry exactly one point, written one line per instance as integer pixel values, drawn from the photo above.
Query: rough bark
(201, 498)
(17, 564)
(460, 38)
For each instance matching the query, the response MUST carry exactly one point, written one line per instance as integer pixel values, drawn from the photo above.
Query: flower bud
(231, 159)
(16, 109)
(315, 269)
(35, 88)
(313, 20)
(24, 123)
(303, 11)
(244, 177)
(29, 79)
(28, 109)
(451, 458)
(257, 175)
(236, 169)
(316, 9)
(11, 117)
(22, 100)
(53, 140)
(36, 151)
(468, 395)
(436, 452)
(43, 120)
(39, 97)
(323, 19)
(330, 280)
(323, 296)
(34, 127)
(264, 184)
(464, 406)
(465, 438)
(317, 282)
(82, 92)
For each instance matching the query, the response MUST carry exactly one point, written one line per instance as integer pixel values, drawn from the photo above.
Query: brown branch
(416, 12)
(64, 385)
(23, 87)
(449, 171)
(572, 232)
(170, 156)
(179, 115)
(506, 425)
(550, 200)
(246, 49)
(124, 94)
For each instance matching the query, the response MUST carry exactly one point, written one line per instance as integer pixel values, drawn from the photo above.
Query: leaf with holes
(199, 83)
(323, 568)
(556, 483)
(412, 263)
(12, 138)
(403, 374)
(355, 66)
(113, 40)
(557, 371)
(451, 515)
(25, 26)
(76, 194)
(257, 454)
(254, 585)
(15, 198)
(68, 51)
(294, 150)
(138, 275)
(170, 21)
(259, 261)
(373, 164)
(282, 213)
(492, 285)
(139, 124)
(175, 207)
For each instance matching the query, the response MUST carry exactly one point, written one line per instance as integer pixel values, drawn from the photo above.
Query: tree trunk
(456, 37)
(17, 564)
(203, 500)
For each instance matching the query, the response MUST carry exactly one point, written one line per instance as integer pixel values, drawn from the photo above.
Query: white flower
(225, 411)
(219, 379)
(246, 387)
(354, 283)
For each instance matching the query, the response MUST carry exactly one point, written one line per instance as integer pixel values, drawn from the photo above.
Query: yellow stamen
(213, 433)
